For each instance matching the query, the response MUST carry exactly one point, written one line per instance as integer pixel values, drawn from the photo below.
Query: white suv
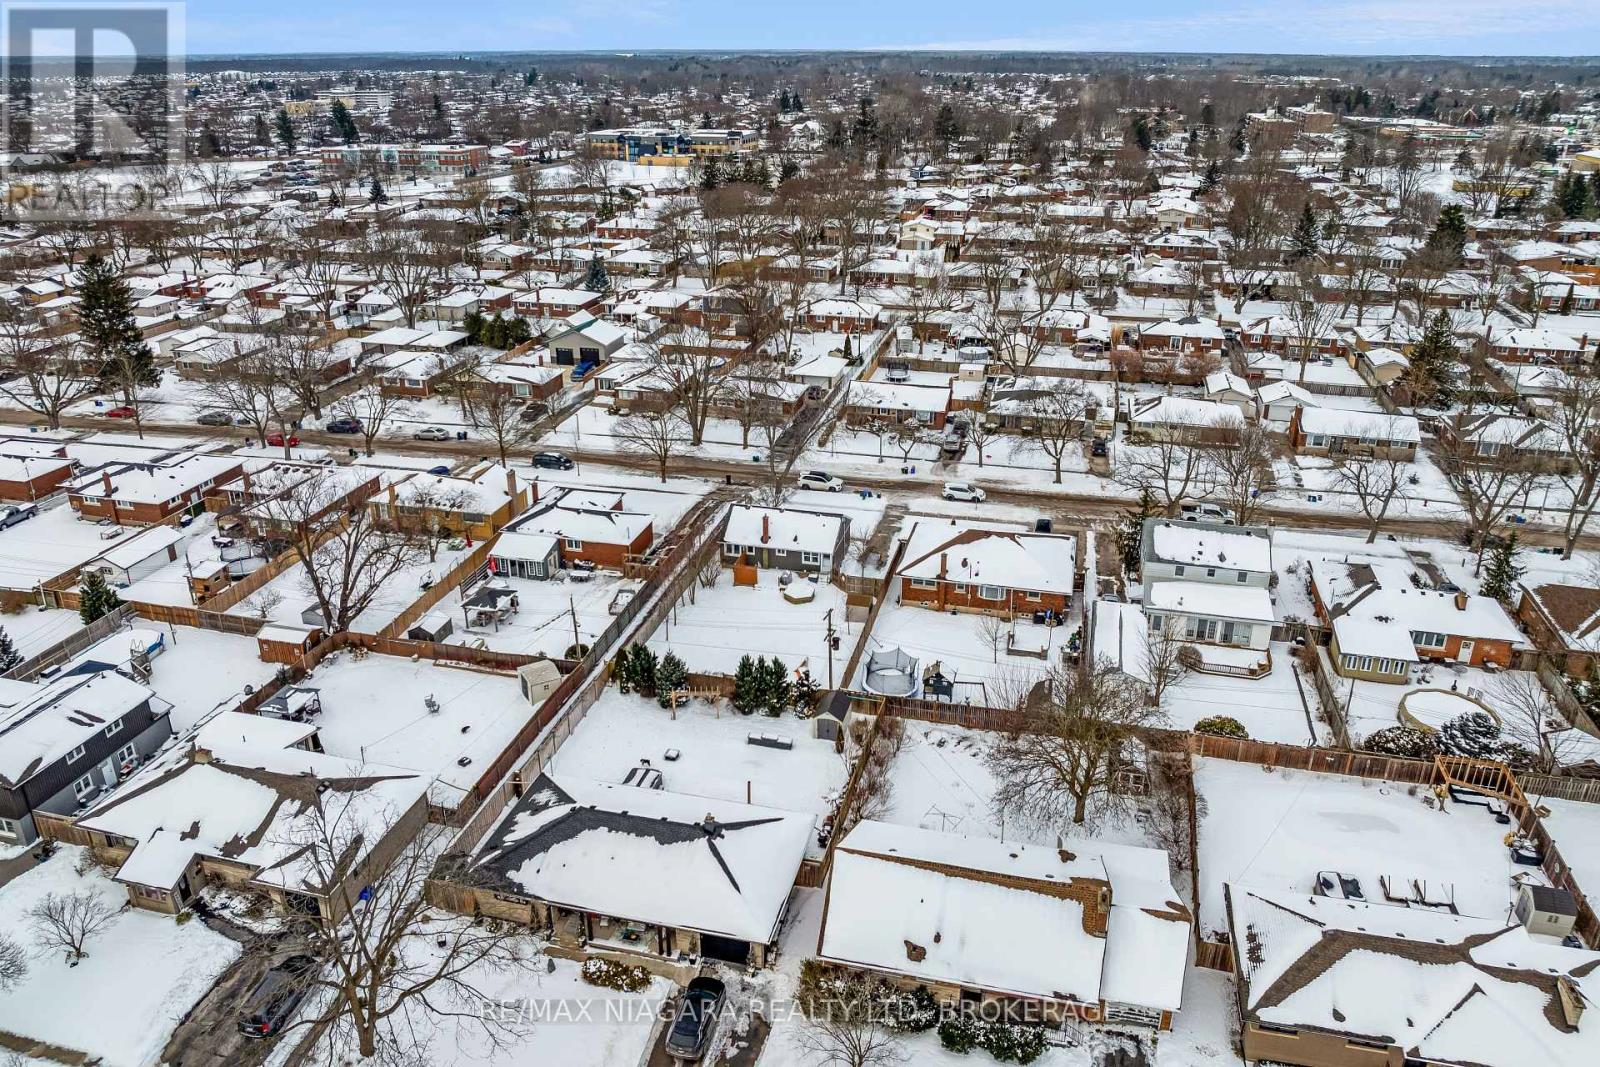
(820, 480)
(964, 491)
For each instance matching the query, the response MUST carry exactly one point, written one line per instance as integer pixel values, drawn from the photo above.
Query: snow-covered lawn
(939, 781)
(34, 629)
(373, 710)
(1269, 707)
(957, 642)
(1277, 829)
(712, 628)
(1576, 829)
(715, 757)
(544, 619)
(200, 669)
(142, 975)
(51, 543)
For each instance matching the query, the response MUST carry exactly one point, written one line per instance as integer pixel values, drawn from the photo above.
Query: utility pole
(829, 639)
(577, 642)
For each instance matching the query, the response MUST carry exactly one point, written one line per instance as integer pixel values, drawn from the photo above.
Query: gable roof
(1008, 558)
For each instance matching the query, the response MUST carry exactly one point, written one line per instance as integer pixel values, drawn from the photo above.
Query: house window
(82, 786)
(924, 583)
(75, 755)
(1317, 440)
(1030, 595)
(810, 558)
(1211, 572)
(9, 828)
(113, 728)
(1177, 571)
(573, 544)
(1427, 639)
(991, 592)
(961, 588)
(1244, 576)
(1356, 663)
(126, 753)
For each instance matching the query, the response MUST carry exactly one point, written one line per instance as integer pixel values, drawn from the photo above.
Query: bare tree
(1240, 470)
(248, 391)
(692, 368)
(428, 510)
(13, 964)
(373, 407)
(658, 435)
(842, 1026)
(1311, 310)
(497, 411)
(1059, 754)
(69, 921)
(1174, 465)
(1054, 418)
(1487, 489)
(406, 266)
(1530, 719)
(1377, 484)
(1167, 659)
(39, 373)
(390, 971)
(347, 550)
(1575, 419)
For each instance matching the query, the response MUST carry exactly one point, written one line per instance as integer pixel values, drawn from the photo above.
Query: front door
(1465, 654)
(108, 772)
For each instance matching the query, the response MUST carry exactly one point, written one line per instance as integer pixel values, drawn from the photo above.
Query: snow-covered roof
(62, 715)
(966, 907)
(1338, 422)
(782, 529)
(1004, 557)
(1210, 545)
(1250, 603)
(1443, 988)
(1375, 607)
(683, 861)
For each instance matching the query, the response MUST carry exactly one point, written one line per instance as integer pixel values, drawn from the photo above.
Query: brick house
(1563, 621)
(947, 566)
(587, 533)
(140, 494)
(1335, 432)
(33, 477)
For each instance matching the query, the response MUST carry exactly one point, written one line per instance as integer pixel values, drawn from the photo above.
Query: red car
(275, 440)
(123, 412)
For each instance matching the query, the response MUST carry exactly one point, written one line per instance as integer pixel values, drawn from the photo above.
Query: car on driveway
(276, 440)
(344, 424)
(821, 480)
(122, 411)
(11, 514)
(215, 418)
(695, 1020)
(272, 1001)
(432, 433)
(964, 491)
(554, 461)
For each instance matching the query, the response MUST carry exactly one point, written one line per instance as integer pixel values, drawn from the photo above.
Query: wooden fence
(464, 568)
(73, 644)
(1213, 956)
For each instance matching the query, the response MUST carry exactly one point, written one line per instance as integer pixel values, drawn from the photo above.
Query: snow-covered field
(1276, 829)
(34, 629)
(711, 629)
(1269, 707)
(715, 758)
(142, 975)
(199, 671)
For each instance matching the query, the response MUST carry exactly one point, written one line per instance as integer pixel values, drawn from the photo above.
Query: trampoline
(892, 673)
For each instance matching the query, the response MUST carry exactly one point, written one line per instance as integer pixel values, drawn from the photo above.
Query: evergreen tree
(334, 199)
(806, 691)
(1132, 534)
(106, 324)
(263, 131)
(1139, 133)
(746, 687)
(670, 676)
(787, 169)
(1449, 236)
(375, 193)
(1572, 193)
(864, 132)
(1305, 237)
(763, 173)
(96, 599)
(532, 77)
(1208, 114)
(9, 656)
(775, 687)
(1502, 571)
(945, 128)
(1435, 364)
(596, 281)
(285, 129)
(711, 175)
(1211, 177)
(344, 124)
(1473, 734)
(1594, 189)
(645, 671)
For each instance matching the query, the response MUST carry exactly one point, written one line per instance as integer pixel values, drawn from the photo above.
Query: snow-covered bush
(1222, 726)
(1472, 733)
(1402, 741)
(909, 1011)
(613, 975)
(961, 1033)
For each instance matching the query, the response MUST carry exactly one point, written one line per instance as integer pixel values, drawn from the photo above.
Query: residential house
(1495, 437)
(1564, 622)
(139, 556)
(1382, 618)
(588, 343)
(952, 566)
(476, 506)
(646, 876)
(1276, 402)
(307, 829)
(64, 743)
(1184, 419)
(32, 477)
(1536, 345)
(1209, 583)
(1191, 334)
(1340, 433)
(1328, 982)
(1083, 931)
(878, 401)
(142, 494)
(788, 539)
(589, 530)
(1225, 387)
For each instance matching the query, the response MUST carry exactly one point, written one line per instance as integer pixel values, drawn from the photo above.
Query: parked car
(344, 424)
(215, 418)
(122, 411)
(274, 998)
(432, 433)
(695, 1020)
(276, 440)
(964, 491)
(11, 514)
(1203, 512)
(553, 461)
(535, 411)
(820, 480)
(442, 470)
(1098, 448)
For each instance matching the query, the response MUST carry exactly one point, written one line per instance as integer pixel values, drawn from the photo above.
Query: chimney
(511, 485)
(1461, 602)
(766, 529)
(105, 481)
(944, 564)
(1571, 1000)
(199, 755)
(710, 827)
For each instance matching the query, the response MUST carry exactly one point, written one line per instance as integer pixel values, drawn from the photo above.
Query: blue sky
(1545, 27)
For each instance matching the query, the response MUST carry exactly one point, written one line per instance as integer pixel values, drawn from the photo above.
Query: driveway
(209, 1035)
